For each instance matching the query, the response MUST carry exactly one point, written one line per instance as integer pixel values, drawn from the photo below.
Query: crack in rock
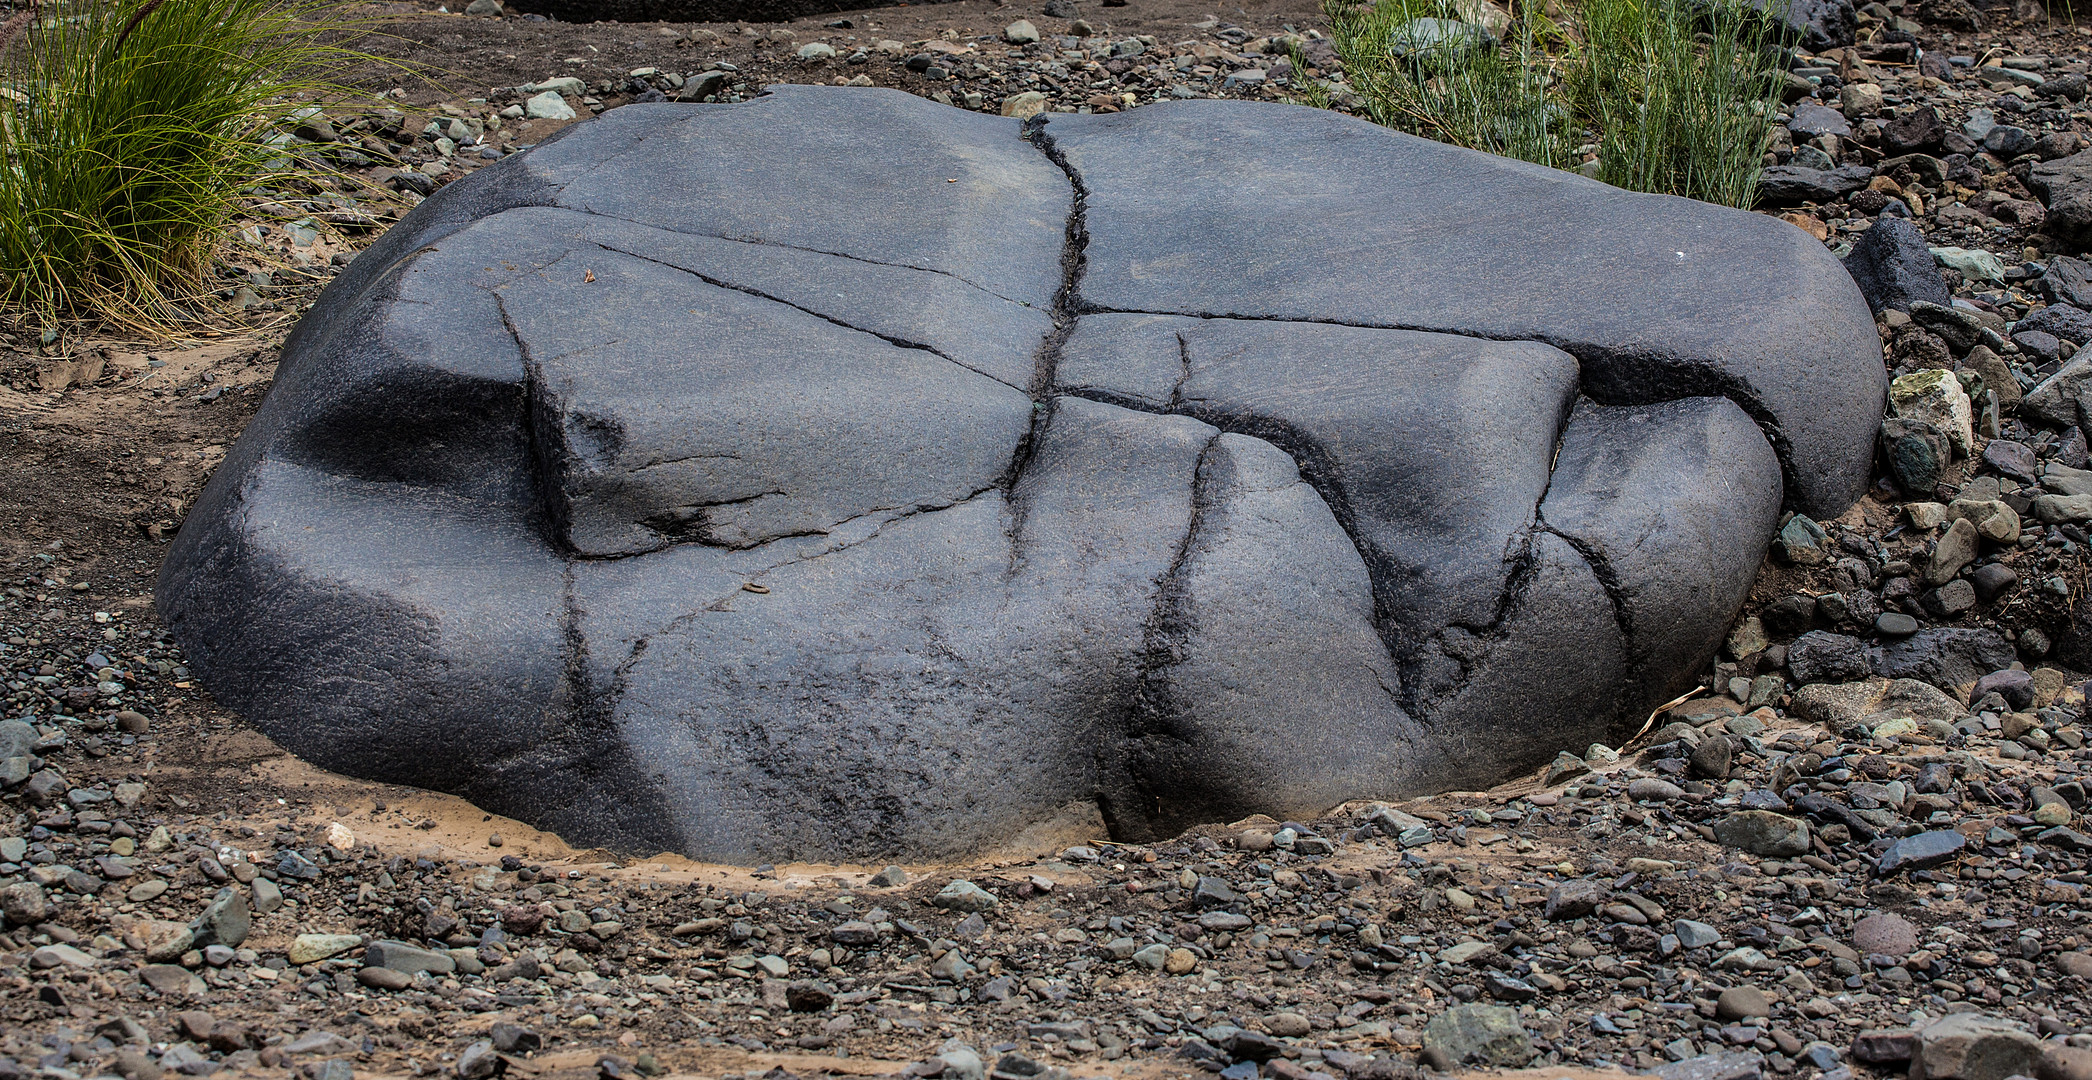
(1066, 310)
(1605, 372)
(718, 282)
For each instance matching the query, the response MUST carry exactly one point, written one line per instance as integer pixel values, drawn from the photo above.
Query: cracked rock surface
(842, 475)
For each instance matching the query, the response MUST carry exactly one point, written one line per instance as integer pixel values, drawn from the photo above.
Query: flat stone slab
(989, 482)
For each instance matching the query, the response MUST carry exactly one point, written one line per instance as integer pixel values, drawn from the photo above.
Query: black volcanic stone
(1893, 267)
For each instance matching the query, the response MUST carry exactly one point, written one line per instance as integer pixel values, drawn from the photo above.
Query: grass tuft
(130, 133)
(1676, 95)
(1465, 88)
(1681, 96)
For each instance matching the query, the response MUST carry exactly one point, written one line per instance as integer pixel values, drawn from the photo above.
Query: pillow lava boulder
(843, 475)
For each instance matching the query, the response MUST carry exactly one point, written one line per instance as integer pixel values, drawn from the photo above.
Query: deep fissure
(1384, 575)
(1166, 625)
(1046, 364)
(1609, 579)
(1599, 371)
(554, 514)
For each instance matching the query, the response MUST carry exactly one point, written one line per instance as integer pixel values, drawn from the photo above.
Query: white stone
(548, 106)
(1936, 397)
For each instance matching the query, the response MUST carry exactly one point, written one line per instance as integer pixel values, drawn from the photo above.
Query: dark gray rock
(225, 920)
(1213, 892)
(2014, 459)
(2062, 398)
(2067, 281)
(2065, 187)
(1893, 267)
(1916, 453)
(18, 738)
(1958, 328)
(790, 526)
(1923, 168)
(1810, 121)
(477, 1061)
(1926, 849)
(1914, 130)
(1821, 656)
(1789, 615)
(1947, 657)
(1792, 185)
(2070, 86)
(2008, 142)
(1950, 600)
(1992, 580)
(1630, 330)
(2073, 453)
(2038, 346)
(1624, 477)
(1576, 898)
(515, 1039)
(1710, 759)
(2016, 687)
(1803, 542)
(1815, 25)
(637, 465)
(2066, 321)
(1884, 1047)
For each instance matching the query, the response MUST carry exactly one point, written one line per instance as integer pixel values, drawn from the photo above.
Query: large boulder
(975, 485)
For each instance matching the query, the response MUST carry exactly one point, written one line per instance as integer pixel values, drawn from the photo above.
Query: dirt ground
(661, 966)
(464, 56)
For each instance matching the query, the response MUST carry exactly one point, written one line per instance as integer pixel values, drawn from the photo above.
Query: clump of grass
(1676, 94)
(1417, 69)
(1314, 93)
(1680, 95)
(129, 132)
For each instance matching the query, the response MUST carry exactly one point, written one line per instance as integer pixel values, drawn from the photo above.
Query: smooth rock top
(972, 485)
(1644, 290)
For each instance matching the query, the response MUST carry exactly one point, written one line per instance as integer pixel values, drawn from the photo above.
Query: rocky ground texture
(1861, 850)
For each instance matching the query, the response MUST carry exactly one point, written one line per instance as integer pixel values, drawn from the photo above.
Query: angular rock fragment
(1891, 264)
